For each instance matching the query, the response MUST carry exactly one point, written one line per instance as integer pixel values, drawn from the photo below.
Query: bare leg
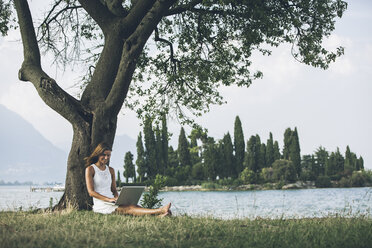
(139, 211)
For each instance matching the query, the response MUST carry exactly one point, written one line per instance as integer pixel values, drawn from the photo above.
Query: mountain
(26, 154)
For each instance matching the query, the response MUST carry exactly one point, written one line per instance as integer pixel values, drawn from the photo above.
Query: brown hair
(100, 149)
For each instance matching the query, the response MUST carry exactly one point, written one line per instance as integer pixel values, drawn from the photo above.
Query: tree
(150, 149)
(183, 149)
(262, 157)
(210, 159)
(270, 151)
(360, 163)
(160, 166)
(287, 143)
(277, 154)
(350, 161)
(239, 146)
(118, 180)
(140, 162)
(253, 154)
(295, 151)
(307, 165)
(321, 156)
(284, 170)
(227, 164)
(201, 45)
(129, 170)
(164, 141)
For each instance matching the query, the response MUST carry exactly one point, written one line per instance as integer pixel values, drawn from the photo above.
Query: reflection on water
(230, 204)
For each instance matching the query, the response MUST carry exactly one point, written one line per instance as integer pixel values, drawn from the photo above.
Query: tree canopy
(185, 50)
(156, 57)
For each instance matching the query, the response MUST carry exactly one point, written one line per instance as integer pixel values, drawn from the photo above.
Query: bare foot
(167, 214)
(165, 209)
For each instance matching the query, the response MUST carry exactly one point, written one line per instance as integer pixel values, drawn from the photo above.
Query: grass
(87, 229)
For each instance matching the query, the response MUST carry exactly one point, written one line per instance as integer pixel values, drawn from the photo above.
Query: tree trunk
(86, 137)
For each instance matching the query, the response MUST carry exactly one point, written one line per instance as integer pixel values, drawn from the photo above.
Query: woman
(100, 180)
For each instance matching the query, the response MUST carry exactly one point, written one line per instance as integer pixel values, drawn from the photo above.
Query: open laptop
(130, 195)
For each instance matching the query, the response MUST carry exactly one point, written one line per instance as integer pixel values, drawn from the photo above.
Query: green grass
(87, 229)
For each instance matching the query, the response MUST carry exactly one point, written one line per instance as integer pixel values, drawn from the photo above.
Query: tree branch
(54, 96)
(132, 49)
(101, 15)
(175, 62)
(136, 14)
(116, 8)
(182, 8)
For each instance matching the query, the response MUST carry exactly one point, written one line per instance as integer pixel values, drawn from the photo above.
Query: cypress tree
(295, 151)
(210, 159)
(164, 140)
(129, 170)
(252, 155)
(239, 146)
(287, 143)
(340, 161)
(183, 149)
(349, 163)
(262, 158)
(229, 169)
(331, 165)
(277, 154)
(159, 152)
(172, 157)
(150, 152)
(360, 163)
(140, 162)
(118, 180)
(194, 148)
(270, 151)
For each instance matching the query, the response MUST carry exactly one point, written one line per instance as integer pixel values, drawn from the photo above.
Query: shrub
(267, 175)
(358, 179)
(344, 182)
(150, 199)
(247, 176)
(323, 182)
(210, 185)
(284, 170)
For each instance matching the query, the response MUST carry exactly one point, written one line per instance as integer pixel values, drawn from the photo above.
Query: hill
(27, 155)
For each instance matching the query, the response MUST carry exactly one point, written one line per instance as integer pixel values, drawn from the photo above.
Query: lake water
(230, 204)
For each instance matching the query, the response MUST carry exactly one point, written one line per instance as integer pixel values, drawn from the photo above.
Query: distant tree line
(199, 158)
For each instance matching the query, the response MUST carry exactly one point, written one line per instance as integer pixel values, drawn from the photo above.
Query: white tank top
(102, 181)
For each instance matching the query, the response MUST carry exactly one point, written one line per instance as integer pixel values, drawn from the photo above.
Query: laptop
(130, 195)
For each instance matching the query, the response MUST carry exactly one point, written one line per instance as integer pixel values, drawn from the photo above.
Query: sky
(330, 108)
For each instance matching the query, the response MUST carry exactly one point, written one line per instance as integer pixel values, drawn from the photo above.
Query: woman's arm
(89, 173)
(113, 183)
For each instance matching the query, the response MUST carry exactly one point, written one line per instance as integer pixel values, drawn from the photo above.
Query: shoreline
(245, 187)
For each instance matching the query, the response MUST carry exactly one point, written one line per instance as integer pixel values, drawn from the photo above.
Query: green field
(87, 229)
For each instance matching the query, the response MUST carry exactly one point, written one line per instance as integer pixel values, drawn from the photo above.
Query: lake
(303, 203)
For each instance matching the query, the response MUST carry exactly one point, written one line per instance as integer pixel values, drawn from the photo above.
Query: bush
(284, 170)
(358, 179)
(150, 199)
(323, 182)
(367, 174)
(210, 185)
(247, 176)
(226, 181)
(267, 175)
(344, 182)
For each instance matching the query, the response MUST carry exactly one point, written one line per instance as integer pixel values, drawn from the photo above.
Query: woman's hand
(113, 199)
